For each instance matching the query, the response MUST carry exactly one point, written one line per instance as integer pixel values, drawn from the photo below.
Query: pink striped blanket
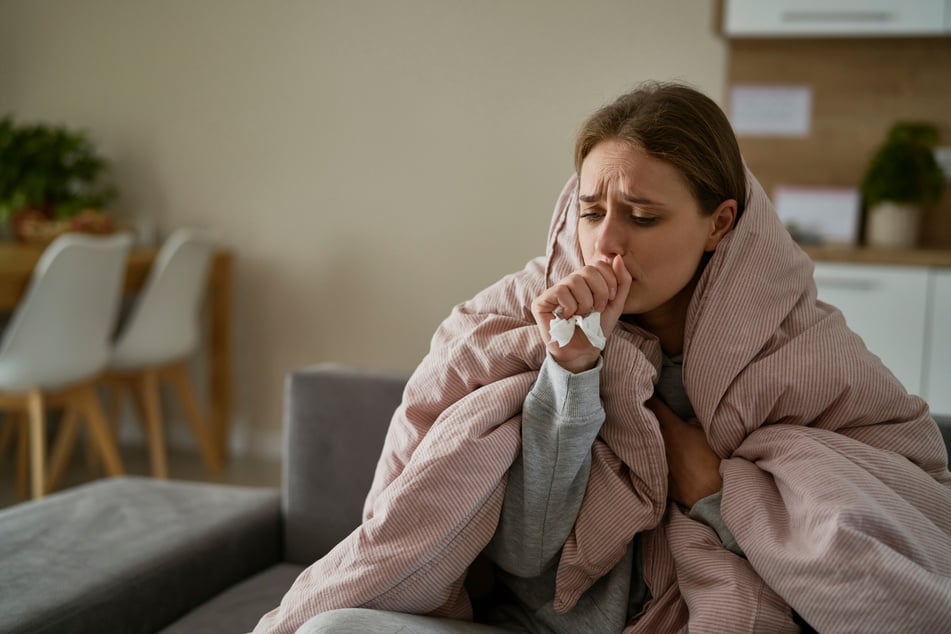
(835, 480)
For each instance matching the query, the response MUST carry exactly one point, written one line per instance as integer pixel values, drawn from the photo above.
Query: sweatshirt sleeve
(707, 511)
(561, 418)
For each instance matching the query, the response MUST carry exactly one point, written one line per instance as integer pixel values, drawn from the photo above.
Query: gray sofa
(139, 555)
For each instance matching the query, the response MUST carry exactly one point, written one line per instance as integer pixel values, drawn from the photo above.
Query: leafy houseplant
(52, 180)
(902, 177)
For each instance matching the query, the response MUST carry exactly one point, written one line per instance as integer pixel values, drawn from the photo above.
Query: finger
(580, 286)
(545, 305)
(623, 280)
(564, 298)
(573, 295)
(559, 300)
(603, 284)
(623, 277)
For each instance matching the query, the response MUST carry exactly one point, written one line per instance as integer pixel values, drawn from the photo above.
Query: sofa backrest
(335, 424)
(945, 427)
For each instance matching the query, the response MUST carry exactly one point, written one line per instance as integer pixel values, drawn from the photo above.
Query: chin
(637, 305)
(635, 311)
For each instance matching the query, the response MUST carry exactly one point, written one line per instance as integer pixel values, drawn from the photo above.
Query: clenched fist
(603, 287)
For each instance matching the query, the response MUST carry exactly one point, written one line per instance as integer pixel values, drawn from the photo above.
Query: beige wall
(371, 163)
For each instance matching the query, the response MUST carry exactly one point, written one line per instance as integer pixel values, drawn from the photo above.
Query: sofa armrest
(130, 554)
(335, 424)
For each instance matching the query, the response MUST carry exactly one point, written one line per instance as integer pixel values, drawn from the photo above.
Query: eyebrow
(634, 200)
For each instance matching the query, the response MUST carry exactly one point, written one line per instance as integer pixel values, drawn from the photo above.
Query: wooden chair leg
(6, 433)
(177, 375)
(113, 414)
(37, 444)
(115, 408)
(63, 446)
(88, 401)
(23, 456)
(92, 456)
(146, 392)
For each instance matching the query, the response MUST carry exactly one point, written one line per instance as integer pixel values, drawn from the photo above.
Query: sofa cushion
(239, 608)
(130, 554)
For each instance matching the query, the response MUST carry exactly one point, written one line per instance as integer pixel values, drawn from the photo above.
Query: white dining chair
(57, 344)
(160, 336)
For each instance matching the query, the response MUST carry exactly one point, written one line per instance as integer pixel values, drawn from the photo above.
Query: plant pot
(28, 225)
(38, 227)
(892, 225)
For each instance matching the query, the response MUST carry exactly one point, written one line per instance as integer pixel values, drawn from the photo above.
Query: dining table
(18, 260)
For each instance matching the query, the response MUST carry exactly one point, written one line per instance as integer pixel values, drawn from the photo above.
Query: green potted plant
(52, 179)
(902, 177)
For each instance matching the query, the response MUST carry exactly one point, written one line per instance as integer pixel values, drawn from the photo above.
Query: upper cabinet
(836, 18)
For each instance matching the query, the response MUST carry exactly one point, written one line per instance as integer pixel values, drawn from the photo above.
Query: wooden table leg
(220, 362)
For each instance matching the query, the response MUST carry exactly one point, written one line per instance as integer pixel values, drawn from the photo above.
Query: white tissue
(562, 330)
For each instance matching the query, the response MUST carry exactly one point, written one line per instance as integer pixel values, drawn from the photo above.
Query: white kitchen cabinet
(835, 18)
(903, 314)
(938, 350)
(885, 305)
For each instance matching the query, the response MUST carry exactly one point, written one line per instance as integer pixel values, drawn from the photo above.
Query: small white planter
(892, 225)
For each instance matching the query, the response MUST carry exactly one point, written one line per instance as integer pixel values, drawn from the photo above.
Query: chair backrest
(61, 330)
(164, 324)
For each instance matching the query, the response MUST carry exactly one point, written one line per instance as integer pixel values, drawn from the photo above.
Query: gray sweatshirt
(561, 418)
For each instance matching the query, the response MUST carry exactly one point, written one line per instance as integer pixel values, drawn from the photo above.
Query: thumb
(623, 277)
(615, 307)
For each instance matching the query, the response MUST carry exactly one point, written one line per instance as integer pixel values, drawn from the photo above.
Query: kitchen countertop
(869, 255)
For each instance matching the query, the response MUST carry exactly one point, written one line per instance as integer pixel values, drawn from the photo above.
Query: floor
(182, 465)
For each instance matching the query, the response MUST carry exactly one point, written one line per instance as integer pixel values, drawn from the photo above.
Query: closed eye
(594, 216)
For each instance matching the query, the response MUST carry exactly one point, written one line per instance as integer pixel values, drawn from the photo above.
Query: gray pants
(363, 621)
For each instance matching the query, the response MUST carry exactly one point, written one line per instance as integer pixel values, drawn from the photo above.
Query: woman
(646, 229)
(778, 400)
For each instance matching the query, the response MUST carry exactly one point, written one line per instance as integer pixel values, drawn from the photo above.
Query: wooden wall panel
(860, 88)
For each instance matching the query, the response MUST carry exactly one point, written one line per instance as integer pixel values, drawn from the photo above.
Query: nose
(609, 238)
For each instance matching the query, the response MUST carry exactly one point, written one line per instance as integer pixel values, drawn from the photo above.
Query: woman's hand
(601, 287)
(694, 468)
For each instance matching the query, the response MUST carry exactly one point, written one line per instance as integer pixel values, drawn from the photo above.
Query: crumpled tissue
(562, 330)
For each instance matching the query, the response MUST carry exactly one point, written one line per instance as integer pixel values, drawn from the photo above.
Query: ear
(721, 222)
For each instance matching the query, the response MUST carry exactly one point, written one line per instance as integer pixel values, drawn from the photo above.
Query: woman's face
(641, 208)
